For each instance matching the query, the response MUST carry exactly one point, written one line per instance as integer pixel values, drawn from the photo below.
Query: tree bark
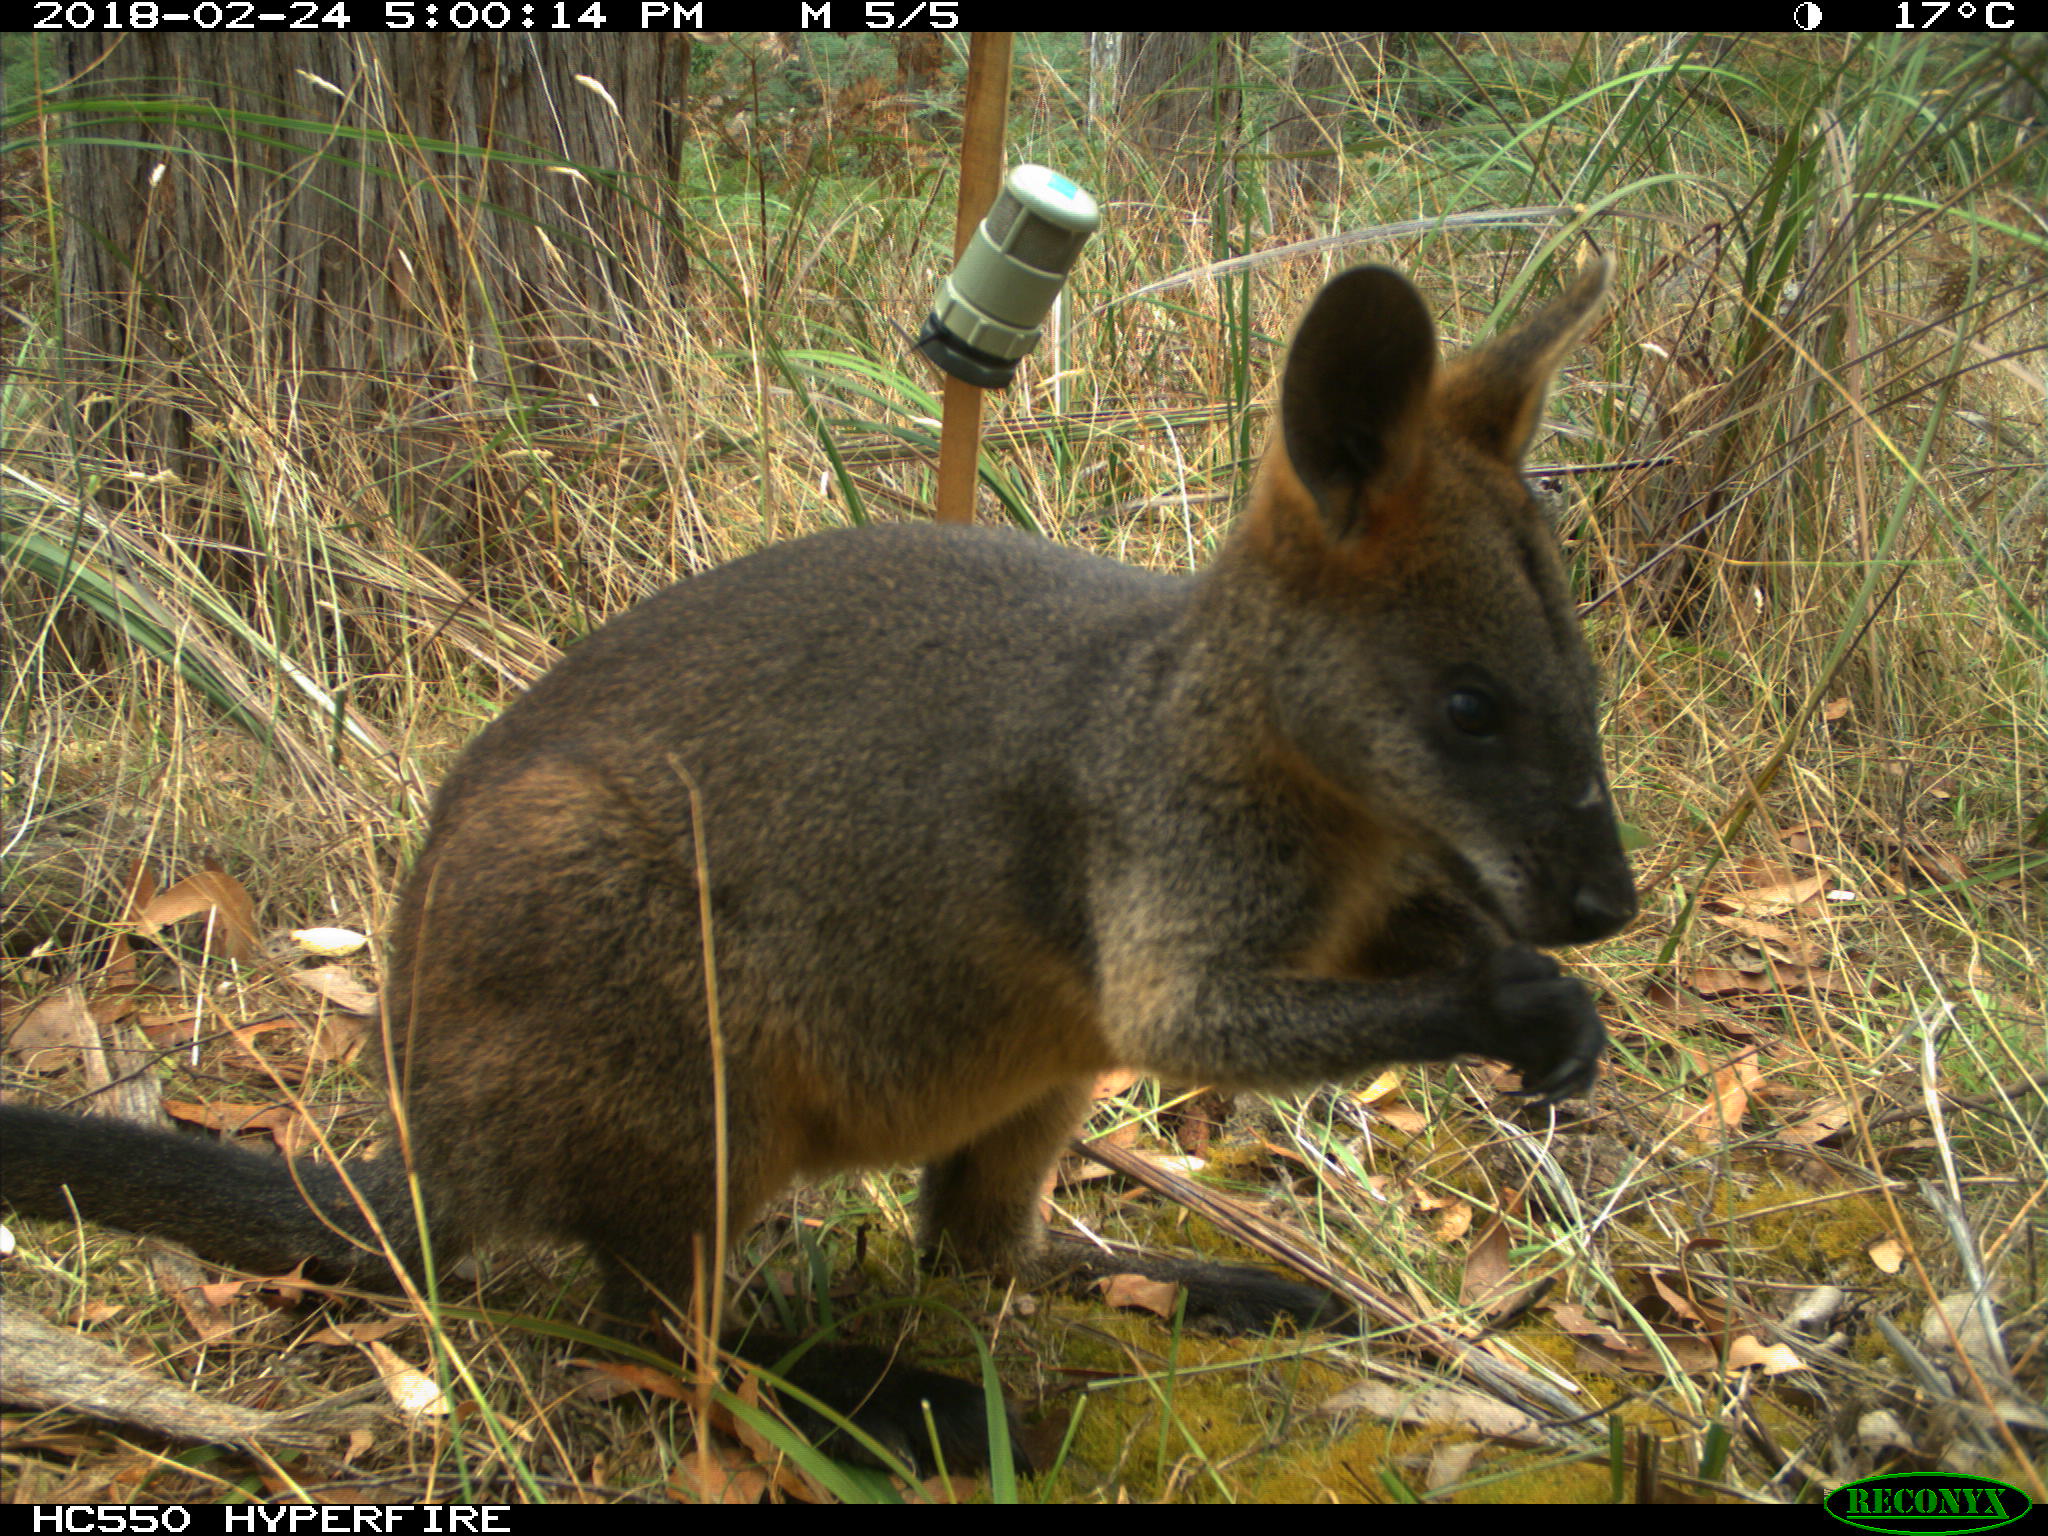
(378, 223)
(1180, 98)
(1328, 74)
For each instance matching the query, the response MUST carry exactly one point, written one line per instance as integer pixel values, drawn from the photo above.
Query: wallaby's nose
(1598, 912)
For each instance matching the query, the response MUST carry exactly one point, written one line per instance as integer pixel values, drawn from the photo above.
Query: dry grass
(1801, 480)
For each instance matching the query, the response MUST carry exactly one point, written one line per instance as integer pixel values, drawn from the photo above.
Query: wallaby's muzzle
(1602, 906)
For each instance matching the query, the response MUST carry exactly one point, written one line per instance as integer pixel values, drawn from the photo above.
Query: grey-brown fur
(984, 817)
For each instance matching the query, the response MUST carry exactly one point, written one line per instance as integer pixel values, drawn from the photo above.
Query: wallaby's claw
(1546, 1024)
(1570, 1080)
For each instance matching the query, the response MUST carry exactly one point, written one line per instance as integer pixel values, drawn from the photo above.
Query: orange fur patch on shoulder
(1362, 857)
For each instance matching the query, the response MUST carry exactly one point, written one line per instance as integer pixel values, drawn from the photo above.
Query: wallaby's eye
(1473, 711)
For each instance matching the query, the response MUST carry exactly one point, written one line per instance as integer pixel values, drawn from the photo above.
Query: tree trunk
(1180, 98)
(1327, 74)
(373, 223)
(1104, 50)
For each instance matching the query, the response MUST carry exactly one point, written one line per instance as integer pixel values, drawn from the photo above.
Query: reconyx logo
(1927, 1501)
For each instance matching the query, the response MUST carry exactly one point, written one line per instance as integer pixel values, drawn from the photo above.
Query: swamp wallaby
(982, 818)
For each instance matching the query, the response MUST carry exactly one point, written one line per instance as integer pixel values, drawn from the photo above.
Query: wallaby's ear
(1353, 397)
(1492, 396)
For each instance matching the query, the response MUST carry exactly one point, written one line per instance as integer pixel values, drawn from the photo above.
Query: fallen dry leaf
(115, 1004)
(340, 986)
(1778, 940)
(789, 1477)
(1732, 1086)
(168, 1029)
(1449, 1464)
(1488, 1264)
(1824, 1118)
(1402, 1118)
(1799, 836)
(288, 1129)
(352, 1334)
(715, 1472)
(1140, 1292)
(1490, 1284)
(1771, 889)
(332, 942)
(1706, 1315)
(953, 1491)
(52, 1035)
(1436, 1407)
(338, 1038)
(1385, 1086)
(629, 1376)
(409, 1387)
(221, 1292)
(221, 899)
(1455, 1222)
(1775, 976)
(1746, 1353)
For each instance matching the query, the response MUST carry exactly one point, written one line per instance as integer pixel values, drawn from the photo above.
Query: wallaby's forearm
(1245, 1029)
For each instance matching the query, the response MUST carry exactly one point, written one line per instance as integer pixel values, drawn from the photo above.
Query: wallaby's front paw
(1545, 1023)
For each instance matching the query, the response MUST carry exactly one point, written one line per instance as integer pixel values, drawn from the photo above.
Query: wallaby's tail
(233, 1206)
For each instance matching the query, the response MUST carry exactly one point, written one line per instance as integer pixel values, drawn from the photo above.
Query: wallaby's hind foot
(925, 1419)
(1237, 1299)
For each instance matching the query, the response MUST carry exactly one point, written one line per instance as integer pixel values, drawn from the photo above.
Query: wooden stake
(981, 177)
